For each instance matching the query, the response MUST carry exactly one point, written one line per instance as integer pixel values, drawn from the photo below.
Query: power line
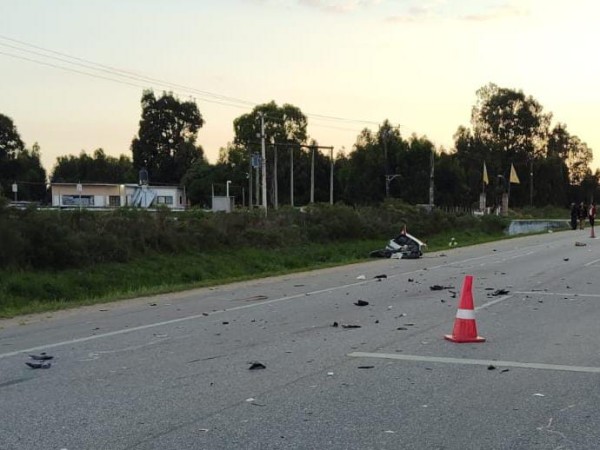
(88, 64)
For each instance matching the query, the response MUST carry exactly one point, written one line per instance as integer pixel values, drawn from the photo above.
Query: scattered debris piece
(491, 367)
(329, 374)
(580, 244)
(153, 304)
(257, 366)
(410, 280)
(442, 255)
(298, 285)
(409, 324)
(361, 303)
(537, 394)
(379, 277)
(205, 314)
(39, 365)
(565, 259)
(41, 357)
(389, 432)
(443, 301)
(401, 328)
(366, 367)
(361, 277)
(250, 399)
(253, 298)
(504, 370)
(499, 292)
(377, 321)
(347, 325)
(453, 293)
(335, 324)
(437, 287)
(225, 322)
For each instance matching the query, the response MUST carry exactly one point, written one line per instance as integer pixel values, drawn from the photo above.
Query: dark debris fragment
(361, 303)
(257, 366)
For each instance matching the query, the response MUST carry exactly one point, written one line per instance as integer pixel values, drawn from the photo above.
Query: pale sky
(417, 63)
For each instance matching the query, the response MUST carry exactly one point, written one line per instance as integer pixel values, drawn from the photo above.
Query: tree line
(507, 129)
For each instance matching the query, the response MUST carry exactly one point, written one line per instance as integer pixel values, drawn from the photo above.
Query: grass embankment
(25, 292)
(59, 260)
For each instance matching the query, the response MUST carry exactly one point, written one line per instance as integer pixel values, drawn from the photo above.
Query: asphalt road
(172, 372)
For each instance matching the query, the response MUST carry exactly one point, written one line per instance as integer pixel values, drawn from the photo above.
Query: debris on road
(491, 367)
(361, 277)
(225, 322)
(350, 326)
(366, 367)
(257, 366)
(437, 287)
(329, 374)
(499, 292)
(401, 328)
(565, 259)
(580, 244)
(41, 357)
(335, 324)
(361, 303)
(39, 365)
(537, 394)
(379, 277)
(153, 304)
(504, 370)
(404, 246)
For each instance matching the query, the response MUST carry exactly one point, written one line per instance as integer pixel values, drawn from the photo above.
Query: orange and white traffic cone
(465, 328)
(592, 235)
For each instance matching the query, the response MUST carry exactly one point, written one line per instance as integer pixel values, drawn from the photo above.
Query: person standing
(582, 215)
(574, 214)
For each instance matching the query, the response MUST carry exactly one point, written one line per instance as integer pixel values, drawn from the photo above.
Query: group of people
(581, 212)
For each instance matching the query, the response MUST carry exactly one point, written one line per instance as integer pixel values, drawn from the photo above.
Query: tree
(285, 127)
(20, 165)
(165, 144)
(98, 168)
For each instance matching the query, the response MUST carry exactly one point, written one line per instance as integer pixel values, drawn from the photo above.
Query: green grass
(25, 292)
(32, 292)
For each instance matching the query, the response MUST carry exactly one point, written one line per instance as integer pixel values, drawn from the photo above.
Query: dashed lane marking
(475, 362)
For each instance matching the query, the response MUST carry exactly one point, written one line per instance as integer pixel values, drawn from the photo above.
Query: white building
(105, 195)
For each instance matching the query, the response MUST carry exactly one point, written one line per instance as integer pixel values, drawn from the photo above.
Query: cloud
(505, 11)
(338, 6)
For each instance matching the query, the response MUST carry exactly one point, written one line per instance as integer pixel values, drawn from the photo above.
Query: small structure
(107, 195)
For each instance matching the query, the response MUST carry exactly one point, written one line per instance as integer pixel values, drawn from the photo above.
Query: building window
(164, 200)
(77, 200)
(114, 200)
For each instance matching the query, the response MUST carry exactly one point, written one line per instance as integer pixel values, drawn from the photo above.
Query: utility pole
(331, 177)
(312, 176)
(292, 176)
(384, 136)
(431, 186)
(263, 162)
(275, 184)
(249, 179)
(531, 183)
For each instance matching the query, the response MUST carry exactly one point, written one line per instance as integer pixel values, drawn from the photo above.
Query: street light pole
(263, 162)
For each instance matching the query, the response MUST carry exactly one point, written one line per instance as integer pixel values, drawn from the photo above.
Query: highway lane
(172, 371)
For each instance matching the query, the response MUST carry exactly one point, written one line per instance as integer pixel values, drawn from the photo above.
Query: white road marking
(252, 305)
(591, 263)
(493, 302)
(563, 294)
(475, 362)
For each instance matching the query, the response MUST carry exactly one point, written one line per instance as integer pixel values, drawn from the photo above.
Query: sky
(72, 72)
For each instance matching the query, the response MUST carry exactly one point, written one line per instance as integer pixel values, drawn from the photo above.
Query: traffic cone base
(465, 328)
(452, 338)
